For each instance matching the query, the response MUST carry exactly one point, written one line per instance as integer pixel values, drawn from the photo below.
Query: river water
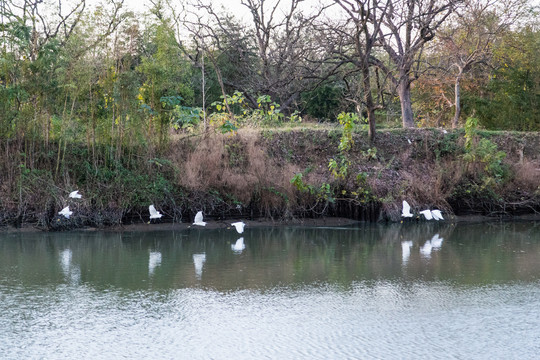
(403, 291)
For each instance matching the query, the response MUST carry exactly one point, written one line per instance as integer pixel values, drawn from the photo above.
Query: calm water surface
(467, 291)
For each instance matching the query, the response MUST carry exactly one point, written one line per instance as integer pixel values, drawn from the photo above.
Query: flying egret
(75, 194)
(239, 226)
(427, 214)
(437, 215)
(154, 214)
(199, 219)
(406, 212)
(66, 212)
(238, 246)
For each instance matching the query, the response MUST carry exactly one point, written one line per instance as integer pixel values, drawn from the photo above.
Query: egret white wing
(75, 194)
(427, 214)
(199, 219)
(406, 212)
(154, 214)
(239, 226)
(437, 215)
(65, 212)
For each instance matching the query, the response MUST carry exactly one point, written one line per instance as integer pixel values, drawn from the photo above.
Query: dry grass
(526, 176)
(237, 166)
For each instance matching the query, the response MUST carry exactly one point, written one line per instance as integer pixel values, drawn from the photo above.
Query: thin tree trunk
(404, 92)
(457, 102)
(368, 99)
(203, 92)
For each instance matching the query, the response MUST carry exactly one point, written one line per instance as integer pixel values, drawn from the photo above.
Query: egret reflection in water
(426, 249)
(433, 244)
(154, 260)
(198, 261)
(238, 246)
(65, 260)
(301, 293)
(71, 272)
(406, 250)
(436, 242)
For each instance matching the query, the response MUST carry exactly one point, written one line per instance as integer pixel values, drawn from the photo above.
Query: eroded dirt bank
(282, 175)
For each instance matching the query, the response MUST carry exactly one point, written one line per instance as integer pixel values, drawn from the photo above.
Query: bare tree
(407, 25)
(467, 42)
(354, 42)
(43, 29)
(283, 34)
(270, 54)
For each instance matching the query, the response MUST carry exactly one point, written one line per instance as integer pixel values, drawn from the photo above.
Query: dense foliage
(118, 85)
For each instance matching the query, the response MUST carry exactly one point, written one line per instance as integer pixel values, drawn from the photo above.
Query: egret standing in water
(239, 226)
(154, 214)
(199, 219)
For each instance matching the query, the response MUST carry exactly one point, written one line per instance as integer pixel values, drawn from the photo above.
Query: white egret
(199, 219)
(427, 214)
(238, 246)
(65, 212)
(154, 214)
(437, 215)
(75, 194)
(239, 226)
(406, 211)
(154, 260)
(198, 261)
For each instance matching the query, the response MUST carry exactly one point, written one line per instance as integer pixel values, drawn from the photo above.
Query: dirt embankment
(283, 175)
(430, 168)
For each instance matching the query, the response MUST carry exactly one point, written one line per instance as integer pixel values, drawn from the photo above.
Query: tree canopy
(106, 75)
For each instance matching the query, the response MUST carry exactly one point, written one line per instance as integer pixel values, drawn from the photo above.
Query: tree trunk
(457, 102)
(368, 99)
(404, 92)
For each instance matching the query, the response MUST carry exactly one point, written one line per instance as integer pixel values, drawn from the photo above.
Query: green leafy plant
(339, 167)
(471, 129)
(485, 153)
